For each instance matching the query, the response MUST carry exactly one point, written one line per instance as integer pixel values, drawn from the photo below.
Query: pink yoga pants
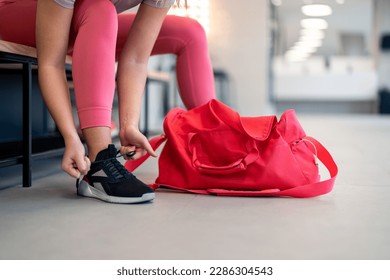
(97, 36)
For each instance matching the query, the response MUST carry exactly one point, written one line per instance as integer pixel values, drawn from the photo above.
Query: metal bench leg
(166, 98)
(146, 109)
(27, 138)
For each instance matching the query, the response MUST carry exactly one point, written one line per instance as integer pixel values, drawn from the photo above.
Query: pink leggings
(97, 36)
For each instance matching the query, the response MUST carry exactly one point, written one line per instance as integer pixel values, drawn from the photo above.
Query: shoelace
(114, 166)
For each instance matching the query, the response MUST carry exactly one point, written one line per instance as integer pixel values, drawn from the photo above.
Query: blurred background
(316, 56)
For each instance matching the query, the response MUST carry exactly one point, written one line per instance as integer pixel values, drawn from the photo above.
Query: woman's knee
(195, 29)
(189, 29)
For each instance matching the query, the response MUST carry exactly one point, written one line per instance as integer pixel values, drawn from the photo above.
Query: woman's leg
(12, 28)
(186, 39)
(94, 31)
(92, 40)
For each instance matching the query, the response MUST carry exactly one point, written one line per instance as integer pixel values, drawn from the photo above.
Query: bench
(13, 56)
(23, 57)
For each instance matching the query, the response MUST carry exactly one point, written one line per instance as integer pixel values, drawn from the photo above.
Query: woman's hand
(74, 161)
(132, 140)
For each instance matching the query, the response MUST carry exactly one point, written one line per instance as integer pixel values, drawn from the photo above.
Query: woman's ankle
(97, 139)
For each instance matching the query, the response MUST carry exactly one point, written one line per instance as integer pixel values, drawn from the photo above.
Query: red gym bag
(213, 150)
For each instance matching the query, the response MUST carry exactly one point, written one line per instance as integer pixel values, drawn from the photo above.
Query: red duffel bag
(211, 149)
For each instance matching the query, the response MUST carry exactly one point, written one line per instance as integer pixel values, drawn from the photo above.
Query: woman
(96, 36)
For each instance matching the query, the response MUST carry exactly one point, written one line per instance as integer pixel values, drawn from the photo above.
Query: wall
(343, 78)
(383, 25)
(238, 41)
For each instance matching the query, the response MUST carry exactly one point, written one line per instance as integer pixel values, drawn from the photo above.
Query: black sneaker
(109, 181)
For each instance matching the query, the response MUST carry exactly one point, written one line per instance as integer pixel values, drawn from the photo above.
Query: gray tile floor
(48, 221)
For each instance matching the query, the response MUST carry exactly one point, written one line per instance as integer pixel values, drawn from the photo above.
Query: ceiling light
(313, 33)
(304, 49)
(314, 23)
(309, 43)
(316, 10)
(277, 2)
(296, 56)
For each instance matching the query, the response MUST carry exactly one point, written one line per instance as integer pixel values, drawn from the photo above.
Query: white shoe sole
(84, 189)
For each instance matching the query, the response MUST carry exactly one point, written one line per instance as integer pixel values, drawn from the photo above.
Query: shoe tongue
(108, 153)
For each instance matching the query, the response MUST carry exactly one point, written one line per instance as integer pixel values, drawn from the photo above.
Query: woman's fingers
(133, 152)
(149, 149)
(76, 167)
